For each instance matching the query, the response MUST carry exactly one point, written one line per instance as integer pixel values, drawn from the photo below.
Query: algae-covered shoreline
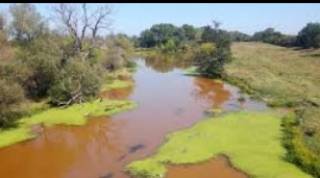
(74, 115)
(252, 141)
(244, 73)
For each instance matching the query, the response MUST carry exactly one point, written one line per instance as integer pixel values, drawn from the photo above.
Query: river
(167, 101)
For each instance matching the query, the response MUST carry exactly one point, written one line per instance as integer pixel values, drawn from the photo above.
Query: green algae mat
(74, 115)
(252, 141)
(116, 84)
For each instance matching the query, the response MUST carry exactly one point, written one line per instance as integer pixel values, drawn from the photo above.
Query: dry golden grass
(284, 77)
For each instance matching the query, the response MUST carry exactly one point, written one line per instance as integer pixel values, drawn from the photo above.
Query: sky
(133, 18)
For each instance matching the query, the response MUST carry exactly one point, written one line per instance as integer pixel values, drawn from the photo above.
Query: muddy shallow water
(167, 101)
(219, 167)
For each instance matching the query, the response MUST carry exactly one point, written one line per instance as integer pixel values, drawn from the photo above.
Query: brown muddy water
(219, 167)
(167, 101)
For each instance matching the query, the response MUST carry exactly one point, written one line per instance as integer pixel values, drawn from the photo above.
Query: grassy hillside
(284, 77)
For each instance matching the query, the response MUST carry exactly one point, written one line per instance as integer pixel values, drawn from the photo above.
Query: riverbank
(252, 141)
(285, 78)
(44, 115)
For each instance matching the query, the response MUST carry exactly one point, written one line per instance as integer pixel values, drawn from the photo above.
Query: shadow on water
(167, 101)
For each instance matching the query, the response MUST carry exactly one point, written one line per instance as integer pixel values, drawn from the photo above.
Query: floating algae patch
(252, 141)
(73, 115)
(191, 71)
(116, 84)
(11, 136)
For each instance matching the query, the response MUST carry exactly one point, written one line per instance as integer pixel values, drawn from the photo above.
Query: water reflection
(211, 91)
(101, 148)
(166, 63)
(118, 94)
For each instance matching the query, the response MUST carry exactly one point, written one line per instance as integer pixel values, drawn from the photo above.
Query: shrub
(41, 58)
(169, 46)
(297, 152)
(11, 95)
(77, 82)
(119, 50)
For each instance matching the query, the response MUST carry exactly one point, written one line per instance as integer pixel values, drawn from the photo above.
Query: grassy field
(251, 140)
(284, 77)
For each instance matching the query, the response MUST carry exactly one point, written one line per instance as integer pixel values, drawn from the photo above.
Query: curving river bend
(167, 101)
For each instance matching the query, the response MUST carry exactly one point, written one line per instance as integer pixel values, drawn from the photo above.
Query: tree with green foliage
(42, 58)
(119, 48)
(2, 22)
(268, 35)
(147, 39)
(169, 46)
(27, 23)
(77, 82)
(163, 34)
(211, 62)
(271, 36)
(208, 34)
(11, 96)
(309, 36)
(239, 36)
(189, 32)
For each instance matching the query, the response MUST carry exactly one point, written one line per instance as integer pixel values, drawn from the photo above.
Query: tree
(268, 35)
(309, 36)
(79, 23)
(27, 23)
(163, 32)
(42, 59)
(239, 36)
(2, 22)
(159, 35)
(169, 46)
(11, 95)
(77, 82)
(147, 39)
(209, 34)
(271, 36)
(210, 61)
(119, 49)
(189, 32)
(216, 24)
(6, 49)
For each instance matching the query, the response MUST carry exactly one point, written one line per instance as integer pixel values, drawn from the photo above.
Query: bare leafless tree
(216, 24)
(80, 21)
(2, 22)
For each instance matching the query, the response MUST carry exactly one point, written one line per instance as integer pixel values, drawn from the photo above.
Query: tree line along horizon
(160, 35)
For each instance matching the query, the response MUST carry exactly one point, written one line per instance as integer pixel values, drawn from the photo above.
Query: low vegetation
(237, 135)
(284, 77)
(67, 68)
(76, 114)
(54, 76)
